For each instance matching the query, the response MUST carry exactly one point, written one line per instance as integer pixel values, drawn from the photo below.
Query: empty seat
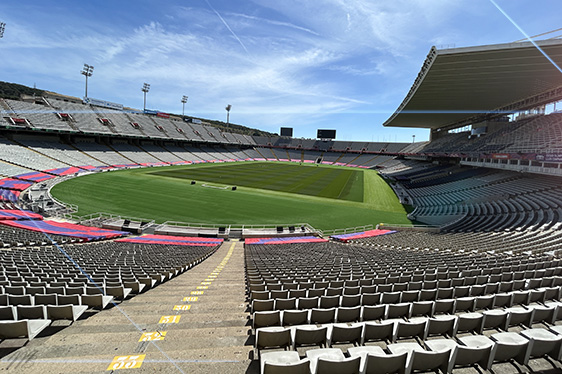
(375, 361)
(272, 337)
(295, 317)
(266, 318)
(96, 301)
(383, 331)
(27, 328)
(284, 362)
(332, 360)
(31, 312)
(309, 335)
(346, 333)
(544, 343)
(69, 312)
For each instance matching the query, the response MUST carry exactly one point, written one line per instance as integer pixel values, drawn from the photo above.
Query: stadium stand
(479, 287)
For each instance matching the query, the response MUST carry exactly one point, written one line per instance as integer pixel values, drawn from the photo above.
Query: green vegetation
(14, 91)
(325, 197)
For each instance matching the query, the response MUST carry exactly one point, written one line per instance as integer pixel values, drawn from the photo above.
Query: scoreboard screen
(326, 134)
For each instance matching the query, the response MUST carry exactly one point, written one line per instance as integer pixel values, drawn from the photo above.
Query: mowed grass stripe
(300, 179)
(141, 193)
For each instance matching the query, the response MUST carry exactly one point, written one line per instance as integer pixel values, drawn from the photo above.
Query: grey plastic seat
(346, 333)
(422, 309)
(8, 313)
(546, 314)
(295, 317)
(322, 316)
(544, 343)
(352, 314)
(441, 325)
(327, 302)
(463, 355)
(373, 313)
(269, 337)
(309, 335)
(69, 312)
(326, 365)
(412, 329)
(44, 299)
(283, 362)
(262, 305)
(470, 322)
(31, 312)
(118, 292)
(496, 319)
(383, 331)
(96, 301)
(20, 300)
(520, 316)
(68, 299)
(329, 356)
(510, 345)
(375, 361)
(266, 319)
(398, 310)
(420, 359)
(308, 302)
(27, 328)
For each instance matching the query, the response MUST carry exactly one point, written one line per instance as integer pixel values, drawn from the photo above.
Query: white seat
(375, 361)
(287, 362)
(512, 345)
(71, 312)
(27, 328)
(544, 343)
(332, 354)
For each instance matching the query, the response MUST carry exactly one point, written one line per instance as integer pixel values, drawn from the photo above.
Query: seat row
(98, 301)
(515, 315)
(490, 299)
(441, 355)
(52, 312)
(428, 281)
(410, 291)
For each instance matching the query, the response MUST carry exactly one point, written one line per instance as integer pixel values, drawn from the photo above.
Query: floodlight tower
(183, 101)
(2, 28)
(87, 71)
(145, 88)
(413, 138)
(228, 107)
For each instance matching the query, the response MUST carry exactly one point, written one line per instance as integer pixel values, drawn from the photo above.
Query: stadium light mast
(2, 28)
(183, 101)
(228, 107)
(87, 71)
(145, 88)
(413, 139)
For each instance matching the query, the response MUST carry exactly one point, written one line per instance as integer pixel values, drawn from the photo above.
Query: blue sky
(306, 64)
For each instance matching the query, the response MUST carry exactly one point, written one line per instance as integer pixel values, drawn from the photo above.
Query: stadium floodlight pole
(413, 138)
(183, 101)
(145, 88)
(87, 71)
(228, 107)
(2, 28)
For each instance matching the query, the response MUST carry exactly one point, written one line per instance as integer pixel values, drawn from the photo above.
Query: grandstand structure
(478, 286)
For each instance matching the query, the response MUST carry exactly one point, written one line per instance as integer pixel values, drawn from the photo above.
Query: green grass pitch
(326, 197)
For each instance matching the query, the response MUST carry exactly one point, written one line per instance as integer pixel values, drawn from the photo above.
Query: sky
(307, 64)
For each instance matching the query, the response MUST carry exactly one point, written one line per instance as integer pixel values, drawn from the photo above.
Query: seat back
(395, 363)
(317, 336)
(347, 366)
(301, 367)
(345, 334)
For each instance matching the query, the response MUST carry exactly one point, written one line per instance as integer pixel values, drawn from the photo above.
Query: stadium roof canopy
(463, 85)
